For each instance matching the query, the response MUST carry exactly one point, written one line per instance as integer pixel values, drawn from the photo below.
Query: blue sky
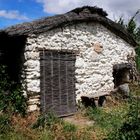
(18, 11)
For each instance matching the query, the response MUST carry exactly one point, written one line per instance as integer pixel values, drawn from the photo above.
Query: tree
(134, 30)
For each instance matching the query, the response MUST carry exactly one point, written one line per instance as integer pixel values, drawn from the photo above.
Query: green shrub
(130, 129)
(5, 124)
(107, 120)
(138, 58)
(68, 127)
(11, 95)
(46, 120)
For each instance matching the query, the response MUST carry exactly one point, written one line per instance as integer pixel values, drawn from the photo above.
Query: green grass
(107, 119)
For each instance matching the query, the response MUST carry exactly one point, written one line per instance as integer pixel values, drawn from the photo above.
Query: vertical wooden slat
(48, 84)
(43, 98)
(66, 71)
(60, 101)
(73, 96)
(44, 95)
(52, 74)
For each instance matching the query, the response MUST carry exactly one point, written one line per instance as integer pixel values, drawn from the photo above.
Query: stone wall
(97, 50)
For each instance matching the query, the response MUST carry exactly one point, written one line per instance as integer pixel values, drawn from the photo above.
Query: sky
(18, 11)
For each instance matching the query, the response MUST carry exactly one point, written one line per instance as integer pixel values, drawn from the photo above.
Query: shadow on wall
(12, 54)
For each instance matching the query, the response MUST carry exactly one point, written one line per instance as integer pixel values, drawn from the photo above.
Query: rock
(32, 108)
(32, 64)
(33, 85)
(124, 89)
(98, 47)
(31, 55)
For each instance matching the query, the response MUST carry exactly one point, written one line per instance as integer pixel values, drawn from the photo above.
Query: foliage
(11, 95)
(68, 127)
(134, 30)
(111, 122)
(49, 120)
(130, 129)
(5, 124)
(108, 120)
(138, 56)
(46, 120)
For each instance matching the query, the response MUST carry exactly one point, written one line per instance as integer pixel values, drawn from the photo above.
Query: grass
(106, 119)
(135, 90)
(54, 129)
(57, 129)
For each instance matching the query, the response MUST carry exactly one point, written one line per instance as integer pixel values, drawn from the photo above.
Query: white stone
(33, 75)
(124, 89)
(33, 101)
(32, 108)
(30, 47)
(33, 89)
(80, 63)
(31, 55)
(33, 85)
(32, 64)
(80, 71)
(106, 78)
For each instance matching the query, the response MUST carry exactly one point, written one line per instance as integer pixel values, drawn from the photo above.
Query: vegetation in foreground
(120, 120)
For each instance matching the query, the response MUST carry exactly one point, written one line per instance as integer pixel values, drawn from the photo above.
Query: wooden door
(57, 82)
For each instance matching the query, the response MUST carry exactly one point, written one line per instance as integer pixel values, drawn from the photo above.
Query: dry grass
(61, 130)
(22, 125)
(104, 121)
(135, 89)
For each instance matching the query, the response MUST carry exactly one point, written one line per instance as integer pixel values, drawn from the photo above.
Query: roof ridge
(90, 10)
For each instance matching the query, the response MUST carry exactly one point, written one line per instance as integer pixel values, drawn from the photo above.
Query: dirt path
(79, 120)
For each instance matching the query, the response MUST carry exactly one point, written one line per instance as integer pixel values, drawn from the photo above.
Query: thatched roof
(78, 15)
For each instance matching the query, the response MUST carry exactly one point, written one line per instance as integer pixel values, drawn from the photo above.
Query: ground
(79, 120)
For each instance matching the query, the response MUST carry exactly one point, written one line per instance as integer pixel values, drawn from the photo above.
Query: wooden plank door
(57, 82)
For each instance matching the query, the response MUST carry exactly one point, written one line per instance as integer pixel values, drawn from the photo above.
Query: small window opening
(121, 73)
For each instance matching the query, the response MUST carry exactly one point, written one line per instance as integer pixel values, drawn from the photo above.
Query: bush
(138, 58)
(130, 129)
(11, 95)
(68, 127)
(46, 120)
(5, 124)
(107, 119)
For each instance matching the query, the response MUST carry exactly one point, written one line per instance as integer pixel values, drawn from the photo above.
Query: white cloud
(114, 8)
(13, 14)
(61, 6)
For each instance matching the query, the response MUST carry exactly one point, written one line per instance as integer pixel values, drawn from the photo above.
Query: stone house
(58, 59)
